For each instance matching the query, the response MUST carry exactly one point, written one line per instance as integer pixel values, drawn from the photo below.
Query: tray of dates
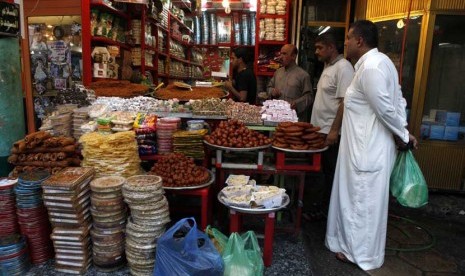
(233, 135)
(179, 172)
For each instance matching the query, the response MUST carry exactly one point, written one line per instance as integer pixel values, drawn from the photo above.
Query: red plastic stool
(205, 209)
(235, 225)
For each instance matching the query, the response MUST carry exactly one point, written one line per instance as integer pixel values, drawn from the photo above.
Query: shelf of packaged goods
(272, 42)
(107, 41)
(150, 48)
(245, 46)
(197, 64)
(162, 54)
(150, 68)
(261, 16)
(180, 59)
(265, 74)
(181, 24)
(101, 5)
(181, 41)
(163, 28)
(185, 5)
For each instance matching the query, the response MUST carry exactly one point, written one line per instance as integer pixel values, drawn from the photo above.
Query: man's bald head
(288, 54)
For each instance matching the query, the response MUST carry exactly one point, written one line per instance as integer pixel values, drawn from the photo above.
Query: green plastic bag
(219, 239)
(242, 256)
(407, 182)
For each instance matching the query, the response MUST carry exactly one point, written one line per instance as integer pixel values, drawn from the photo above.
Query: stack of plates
(13, 255)
(109, 219)
(80, 117)
(67, 197)
(190, 142)
(32, 215)
(8, 216)
(149, 216)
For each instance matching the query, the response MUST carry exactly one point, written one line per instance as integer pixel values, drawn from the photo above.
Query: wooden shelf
(150, 48)
(163, 54)
(182, 4)
(326, 23)
(184, 43)
(100, 4)
(180, 59)
(163, 75)
(107, 41)
(181, 24)
(261, 16)
(162, 28)
(272, 42)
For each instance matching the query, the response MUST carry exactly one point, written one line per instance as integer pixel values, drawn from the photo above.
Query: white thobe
(374, 110)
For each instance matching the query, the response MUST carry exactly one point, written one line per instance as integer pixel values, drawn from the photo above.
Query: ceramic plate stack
(149, 216)
(32, 215)
(109, 215)
(166, 127)
(67, 197)
(8, 216)
(13, 255)
(80, 117)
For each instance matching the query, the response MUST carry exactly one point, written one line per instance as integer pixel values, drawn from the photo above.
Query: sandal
(341, 257)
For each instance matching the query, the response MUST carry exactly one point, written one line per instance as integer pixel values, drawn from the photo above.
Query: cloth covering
(374, 110)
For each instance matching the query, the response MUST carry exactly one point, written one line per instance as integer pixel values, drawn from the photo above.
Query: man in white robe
(374, 112)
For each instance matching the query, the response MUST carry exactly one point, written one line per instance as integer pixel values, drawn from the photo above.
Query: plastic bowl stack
(166, 127)
(109, 215)
(13, 255)
(8, 216)
(149, 215)
(32, 215)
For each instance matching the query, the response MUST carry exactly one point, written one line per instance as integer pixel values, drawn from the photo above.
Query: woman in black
(244, 85)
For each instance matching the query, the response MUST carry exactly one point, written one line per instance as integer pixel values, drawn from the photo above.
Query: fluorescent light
(324, 30)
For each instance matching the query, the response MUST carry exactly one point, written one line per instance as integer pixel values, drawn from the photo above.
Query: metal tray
(236, 149)
(301, 151)
(286, 201)
(212, 179)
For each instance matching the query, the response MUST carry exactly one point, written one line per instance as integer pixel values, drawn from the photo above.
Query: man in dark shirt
(244, 85)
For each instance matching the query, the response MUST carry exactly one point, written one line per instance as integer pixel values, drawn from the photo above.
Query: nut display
(298, 136)
(177, 170)
(235, 134)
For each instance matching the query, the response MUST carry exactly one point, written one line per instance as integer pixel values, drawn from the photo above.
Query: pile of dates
(234, 134)
(178, 170)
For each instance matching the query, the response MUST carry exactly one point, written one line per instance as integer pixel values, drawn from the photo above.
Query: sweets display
(298, 136)
(109, 215)
(41, 151)
(189, 142)
(171, 92)
(177, 170)
(120, 88)
(113, 154)
(67, 197)
(235, 134)
(149, 216)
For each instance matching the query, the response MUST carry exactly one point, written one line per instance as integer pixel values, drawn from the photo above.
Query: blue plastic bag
(185, 250)
(407, 182)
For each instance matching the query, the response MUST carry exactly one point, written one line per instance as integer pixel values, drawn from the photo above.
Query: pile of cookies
(298, 136)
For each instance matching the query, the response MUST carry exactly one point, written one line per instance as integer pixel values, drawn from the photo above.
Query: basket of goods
(234, 134)
(179, 171)
(299, 136)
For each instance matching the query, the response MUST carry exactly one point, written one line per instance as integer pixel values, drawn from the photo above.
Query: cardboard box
(100, 70)
(425, 131)
(451, 133)
(437, 132)
(453, 119)
(441, 116)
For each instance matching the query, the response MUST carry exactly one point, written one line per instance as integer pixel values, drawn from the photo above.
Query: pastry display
(298, 136)
(235, 134)
(177, 170)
